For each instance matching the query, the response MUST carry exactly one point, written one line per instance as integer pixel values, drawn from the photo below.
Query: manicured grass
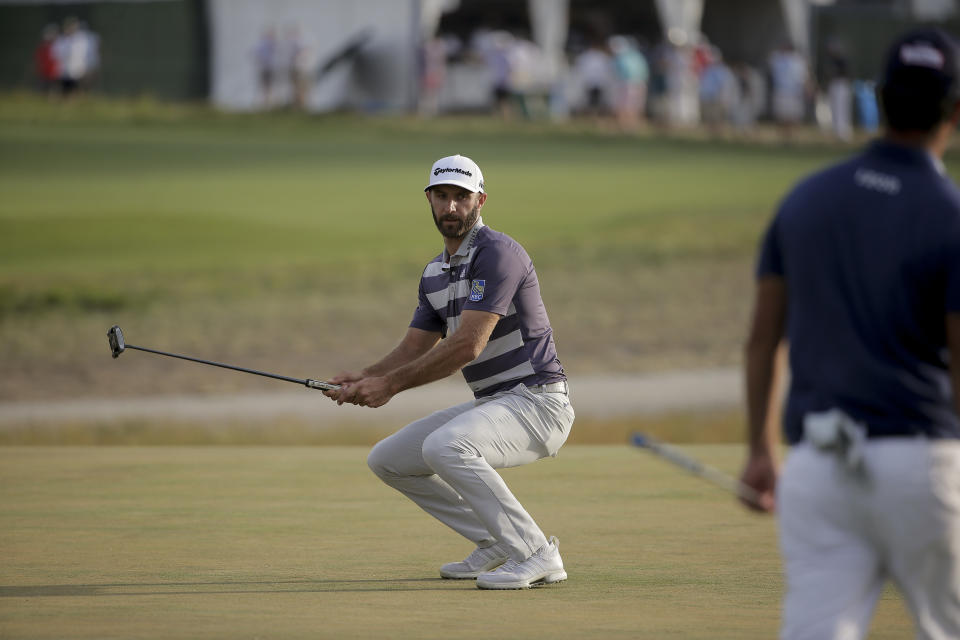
(227, 542)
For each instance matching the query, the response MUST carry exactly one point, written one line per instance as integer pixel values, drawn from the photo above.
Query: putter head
(115, 336)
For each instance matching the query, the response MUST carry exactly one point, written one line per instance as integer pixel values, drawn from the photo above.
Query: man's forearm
(443, 360)
(414, 344)
(760, 370)
(766, 334)
(397, 358)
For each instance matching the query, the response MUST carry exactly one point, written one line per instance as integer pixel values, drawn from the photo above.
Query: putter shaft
(225, 366)
(118, 345)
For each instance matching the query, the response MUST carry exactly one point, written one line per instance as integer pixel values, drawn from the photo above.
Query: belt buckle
(550, 387)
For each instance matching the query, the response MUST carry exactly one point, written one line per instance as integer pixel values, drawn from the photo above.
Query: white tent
(380, 73)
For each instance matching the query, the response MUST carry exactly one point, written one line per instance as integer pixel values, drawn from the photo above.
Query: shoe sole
(468, 575)
(553, 578)
(459, 576)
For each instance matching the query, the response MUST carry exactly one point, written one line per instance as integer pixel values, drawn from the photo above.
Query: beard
(460, 229)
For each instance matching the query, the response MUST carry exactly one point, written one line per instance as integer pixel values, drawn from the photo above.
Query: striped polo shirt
(492, 272)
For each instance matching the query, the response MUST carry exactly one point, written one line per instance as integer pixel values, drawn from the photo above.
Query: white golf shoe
(544, 567)
(482, 559)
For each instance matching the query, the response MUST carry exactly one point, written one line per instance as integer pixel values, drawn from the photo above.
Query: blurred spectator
(719, 93)
(92, 38)
(527, 78)
(632, 75)
(657, 88)
(298, 59)
(840, 93)
(679, 103)
(702, 55)
(753, 96)
(494, 47)
(790, 83)
(266, 57)
(867, 109)
(45, 63)
(433, 73)
(594, 68)
(558, 92)
(71, 50)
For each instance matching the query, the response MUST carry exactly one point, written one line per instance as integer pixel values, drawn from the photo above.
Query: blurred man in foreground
(860, 272)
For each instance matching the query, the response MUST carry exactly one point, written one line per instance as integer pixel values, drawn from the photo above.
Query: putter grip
(321, 385)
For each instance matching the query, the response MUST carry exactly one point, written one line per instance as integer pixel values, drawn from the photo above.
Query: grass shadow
(231, 587)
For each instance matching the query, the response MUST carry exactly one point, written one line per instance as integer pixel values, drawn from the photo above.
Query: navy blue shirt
(869, 250)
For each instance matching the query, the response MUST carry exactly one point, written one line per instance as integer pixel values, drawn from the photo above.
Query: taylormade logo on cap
(440, 170)
(457, 170)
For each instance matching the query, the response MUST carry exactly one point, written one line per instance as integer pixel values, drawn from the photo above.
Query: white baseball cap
(457, 170)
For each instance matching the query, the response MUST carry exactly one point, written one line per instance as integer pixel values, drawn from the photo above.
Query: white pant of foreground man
(843, 534)
(446, 464)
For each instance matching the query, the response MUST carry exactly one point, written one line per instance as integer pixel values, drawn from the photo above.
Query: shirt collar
(906, 154)
(465, 246)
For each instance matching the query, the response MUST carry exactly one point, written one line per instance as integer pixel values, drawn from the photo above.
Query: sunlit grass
(305, 542)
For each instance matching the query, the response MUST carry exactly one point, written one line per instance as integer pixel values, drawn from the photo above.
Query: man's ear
(955, 115)
(482, 199)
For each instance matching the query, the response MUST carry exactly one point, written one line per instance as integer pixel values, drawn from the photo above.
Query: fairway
(277, 542)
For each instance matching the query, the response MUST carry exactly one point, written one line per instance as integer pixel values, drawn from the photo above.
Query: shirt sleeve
(425, 317)
(496, 275)
(770, 258)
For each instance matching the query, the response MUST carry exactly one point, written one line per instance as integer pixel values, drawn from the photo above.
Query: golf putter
(118, 346)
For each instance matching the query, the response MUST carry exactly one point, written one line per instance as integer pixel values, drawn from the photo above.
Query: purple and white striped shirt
(492, 272)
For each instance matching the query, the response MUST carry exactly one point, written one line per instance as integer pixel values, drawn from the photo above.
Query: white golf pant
(446, 463)
(842, 537)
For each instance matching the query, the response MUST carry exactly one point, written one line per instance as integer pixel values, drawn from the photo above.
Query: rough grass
(227, 542)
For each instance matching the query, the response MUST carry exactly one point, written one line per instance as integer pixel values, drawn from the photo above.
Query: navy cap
(925, 63)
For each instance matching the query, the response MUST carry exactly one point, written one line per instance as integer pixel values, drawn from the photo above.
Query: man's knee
(379, 461)
(439, 451)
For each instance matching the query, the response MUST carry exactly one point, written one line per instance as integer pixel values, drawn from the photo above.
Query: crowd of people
(619, 81)
(626, 83)
(67, 60)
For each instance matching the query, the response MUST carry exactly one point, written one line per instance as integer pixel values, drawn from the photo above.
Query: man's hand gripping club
(416, 361)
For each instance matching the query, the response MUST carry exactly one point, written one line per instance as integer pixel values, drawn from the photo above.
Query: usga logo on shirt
(476, 290)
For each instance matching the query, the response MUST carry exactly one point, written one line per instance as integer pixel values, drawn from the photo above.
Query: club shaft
(697, 468)
(220, 364)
